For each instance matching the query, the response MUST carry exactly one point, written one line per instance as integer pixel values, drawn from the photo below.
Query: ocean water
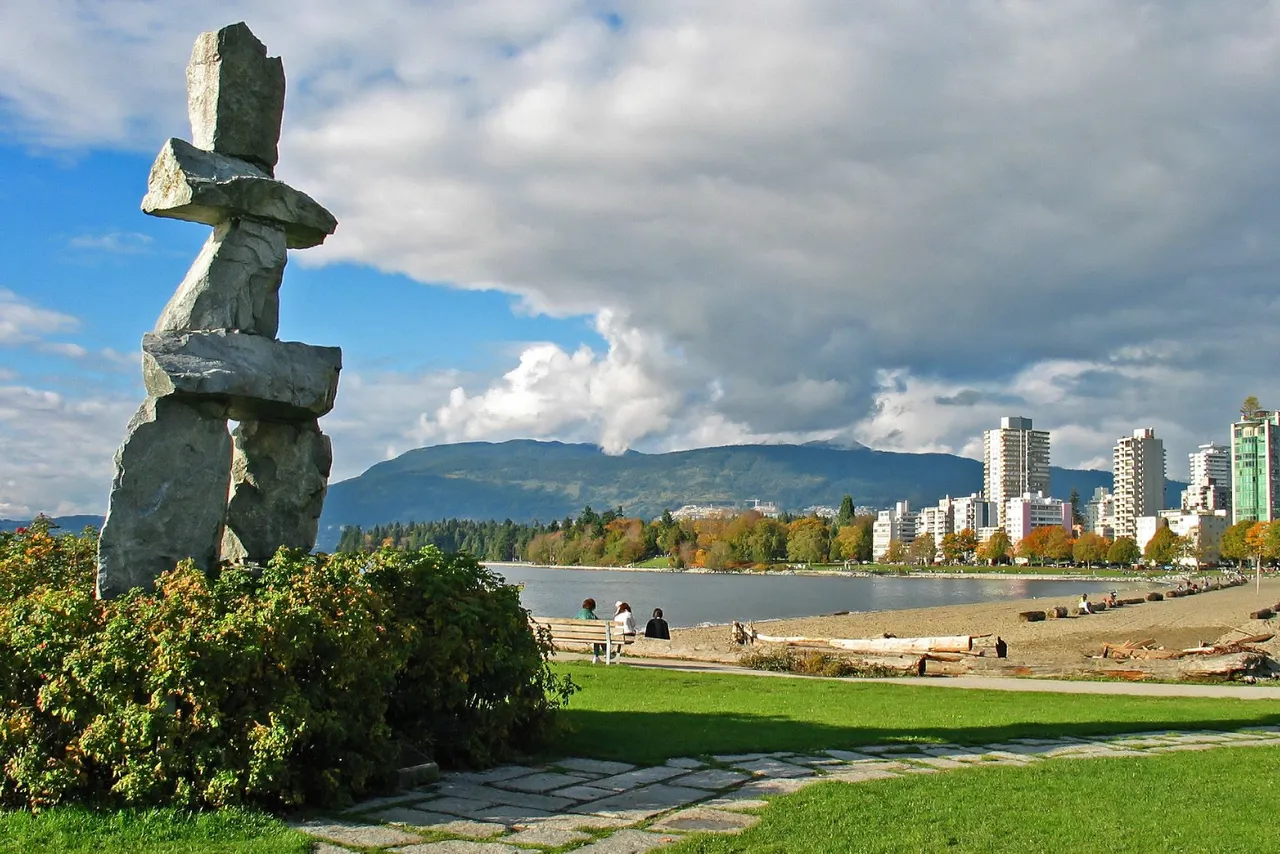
(690, 599)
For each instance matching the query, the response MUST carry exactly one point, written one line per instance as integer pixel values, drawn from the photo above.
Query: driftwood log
(1155, 596)
(1031, 616)
(954, 644)
(1262, 614)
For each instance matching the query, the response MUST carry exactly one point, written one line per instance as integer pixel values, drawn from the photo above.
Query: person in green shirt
(588, 612)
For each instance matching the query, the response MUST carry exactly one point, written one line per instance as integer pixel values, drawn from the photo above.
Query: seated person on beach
(1084, 604)
(657, 627)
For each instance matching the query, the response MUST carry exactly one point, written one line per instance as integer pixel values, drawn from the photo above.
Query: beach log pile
(936, 655)
(1240, 657)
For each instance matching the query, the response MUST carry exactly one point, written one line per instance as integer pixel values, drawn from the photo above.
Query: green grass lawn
(648, 715)
(1178, 802)
(69, 830)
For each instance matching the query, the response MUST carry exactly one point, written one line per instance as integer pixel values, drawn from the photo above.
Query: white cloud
(808, 219)
(21, 322)
(114, 242)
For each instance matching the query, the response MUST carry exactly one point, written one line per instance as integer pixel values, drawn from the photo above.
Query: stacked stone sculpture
(184, 487)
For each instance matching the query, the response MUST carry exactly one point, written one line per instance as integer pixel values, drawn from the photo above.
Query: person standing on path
(588, 612)
(657, 627)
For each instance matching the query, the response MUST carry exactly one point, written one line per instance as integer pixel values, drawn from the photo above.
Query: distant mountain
(73, 524)
(524, 480)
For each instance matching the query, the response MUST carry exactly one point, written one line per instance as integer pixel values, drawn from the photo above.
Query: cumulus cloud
(113, 242)
(23, 322)
(885, 221)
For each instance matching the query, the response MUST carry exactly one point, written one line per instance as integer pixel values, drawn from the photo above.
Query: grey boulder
(235, 96)
(191, 184)
(279, 473)
(234, 282)
(252, 376)
(168, 496)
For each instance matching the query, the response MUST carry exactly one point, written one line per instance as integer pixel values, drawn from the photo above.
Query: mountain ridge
(527, 480)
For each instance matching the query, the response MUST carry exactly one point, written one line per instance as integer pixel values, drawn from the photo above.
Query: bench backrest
(577, 631)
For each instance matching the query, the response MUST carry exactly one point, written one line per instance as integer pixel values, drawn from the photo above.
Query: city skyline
(652, 227)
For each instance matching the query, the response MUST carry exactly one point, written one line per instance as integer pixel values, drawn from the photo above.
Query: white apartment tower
(1138, 474)
(1015, 462)
(1210, 486)
(896, 524)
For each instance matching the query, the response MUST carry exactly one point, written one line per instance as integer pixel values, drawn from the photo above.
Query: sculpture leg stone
(168, 496)
(279, 475)
(233, 284)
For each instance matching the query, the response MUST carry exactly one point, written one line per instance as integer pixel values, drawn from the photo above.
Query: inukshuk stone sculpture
(183, 487)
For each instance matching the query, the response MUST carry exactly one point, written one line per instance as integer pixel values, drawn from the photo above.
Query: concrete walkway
(985, 683)
(598, 807)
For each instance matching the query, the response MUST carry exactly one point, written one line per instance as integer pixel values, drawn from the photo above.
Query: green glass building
(1255, 467)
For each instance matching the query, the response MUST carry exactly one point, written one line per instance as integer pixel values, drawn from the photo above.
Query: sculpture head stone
(235, 96)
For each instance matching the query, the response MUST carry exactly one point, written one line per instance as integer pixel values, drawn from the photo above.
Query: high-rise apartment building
(1015, 462)
(1210, 484)
(1255, 467)
(1138, 479)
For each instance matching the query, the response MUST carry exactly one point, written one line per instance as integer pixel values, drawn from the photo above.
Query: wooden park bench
(566, 632)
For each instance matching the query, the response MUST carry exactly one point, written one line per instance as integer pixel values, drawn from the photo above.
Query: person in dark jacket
(657, 627)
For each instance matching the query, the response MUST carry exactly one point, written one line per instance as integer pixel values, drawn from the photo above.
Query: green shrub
(302, 684)
(810, 662)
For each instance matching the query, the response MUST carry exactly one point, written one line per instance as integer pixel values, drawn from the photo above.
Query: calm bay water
(689, 599)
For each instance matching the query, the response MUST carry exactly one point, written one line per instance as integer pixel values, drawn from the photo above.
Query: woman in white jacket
(625, 622)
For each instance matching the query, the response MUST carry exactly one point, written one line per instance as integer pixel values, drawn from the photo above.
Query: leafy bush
(301, 684)
(809, 662)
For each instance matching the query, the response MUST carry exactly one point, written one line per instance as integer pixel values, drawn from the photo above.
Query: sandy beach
(1173, 623)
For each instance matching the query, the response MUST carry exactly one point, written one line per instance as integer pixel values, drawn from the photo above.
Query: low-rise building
(1203, 530)
(1032, 510)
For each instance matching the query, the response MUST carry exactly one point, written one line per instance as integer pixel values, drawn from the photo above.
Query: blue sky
(662, 224)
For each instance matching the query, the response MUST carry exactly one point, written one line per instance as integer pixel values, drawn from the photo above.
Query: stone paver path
(597, 807)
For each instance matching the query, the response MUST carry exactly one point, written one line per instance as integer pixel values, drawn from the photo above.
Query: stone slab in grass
(585, 793)
(456, 805)
(705, 820)
(728, 802)
(712, 778)
(329, 848)
(646, 802)
(686, 762)
(549, 837)
(626, 842)
(573, 821)
(543, 782)
(776, 786)
(355, 833)
(937, 763)
(441, 823)
(774, 768)
(850, 756)
(459, 846)
(595, 766)
(639, 777)
(863, 775)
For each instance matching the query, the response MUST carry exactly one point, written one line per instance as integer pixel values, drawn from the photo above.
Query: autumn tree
(767, 542)
(851, 543)
(1058, 544)
(1124, 551)
(1250, 407)
(807, 540)
(967, 542)
(1163, 548)
(1038, 543)
(996, 549)
(1090, 548)
(923, 549)
(951, 550)
(1233, 545)
(895, 553)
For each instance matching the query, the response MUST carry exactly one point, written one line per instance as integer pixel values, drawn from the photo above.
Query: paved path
(986, 683)
(616, 808)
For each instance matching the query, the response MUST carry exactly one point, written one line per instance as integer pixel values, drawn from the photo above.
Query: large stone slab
(235, 96)
(639, 804)
(547, 837)
(279, 474)
(626, 842)
(234, 283)
(639, 777)
(704, 820)
(355, 833)
(441, 823)
(713, 778)
(491, 794)
(544, 782)
(168, 495)
(595, 766)
(774, 768)
(254, 377)
(191, 184)
(458, 846)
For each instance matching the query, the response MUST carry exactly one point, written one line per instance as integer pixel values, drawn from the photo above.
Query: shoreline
(1165, 579)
